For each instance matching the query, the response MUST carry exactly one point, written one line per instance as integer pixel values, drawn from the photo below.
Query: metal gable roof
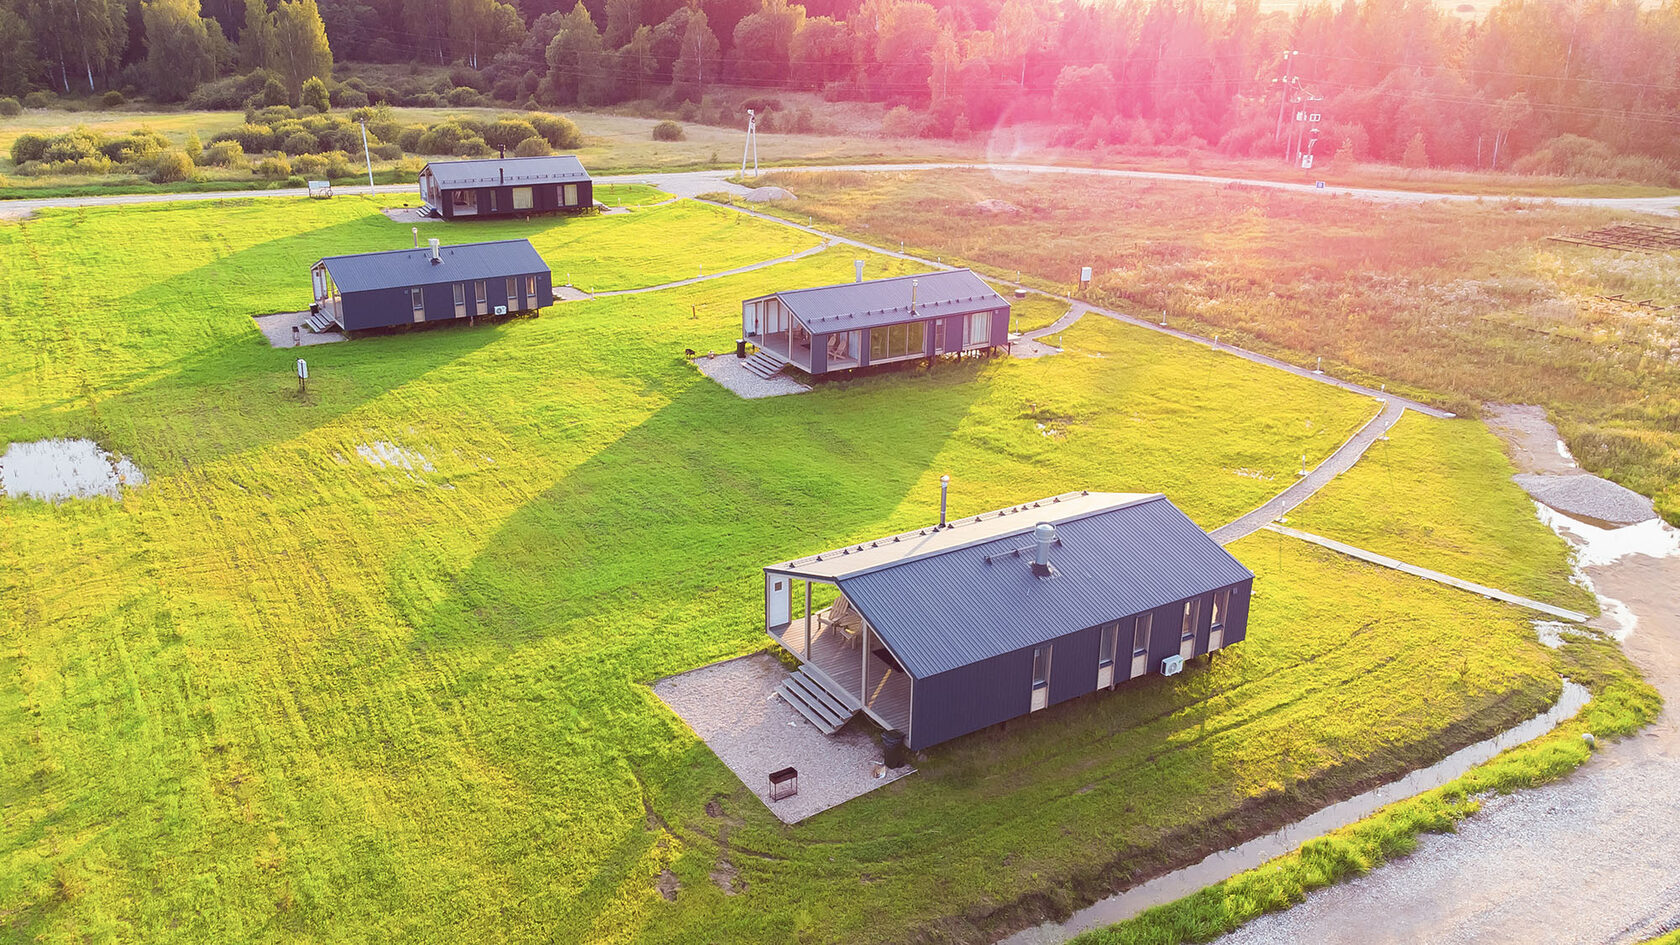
(978, 599)
(485, 172)
(401, 268)
(851, 305)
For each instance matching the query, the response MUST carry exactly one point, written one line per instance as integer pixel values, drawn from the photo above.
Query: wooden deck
(888, 698)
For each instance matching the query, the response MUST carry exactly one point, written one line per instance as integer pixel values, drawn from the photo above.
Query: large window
(460, 299)
(1187, 631)
(570, 196)
(481, 295)
(417, 298)
(531, 286)
(897, 341)
(521, 198)
(979, 329)
(1041, 677)
(512, 290)
(1105, 647)
(1221, 605)
(461, 199)
(1140, 644)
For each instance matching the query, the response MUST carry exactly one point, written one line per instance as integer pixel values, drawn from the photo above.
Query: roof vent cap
(1044, 536)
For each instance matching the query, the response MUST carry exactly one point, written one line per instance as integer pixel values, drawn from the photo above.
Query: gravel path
(695, 183)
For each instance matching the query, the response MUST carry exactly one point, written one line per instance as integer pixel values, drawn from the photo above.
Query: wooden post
(807, 620)
(863, 674)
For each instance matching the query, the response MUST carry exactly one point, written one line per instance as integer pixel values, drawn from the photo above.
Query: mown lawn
(1438, 494)
(283, 692)
(1457, 303)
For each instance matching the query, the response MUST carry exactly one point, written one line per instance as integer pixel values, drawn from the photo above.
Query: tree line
(1398, 80)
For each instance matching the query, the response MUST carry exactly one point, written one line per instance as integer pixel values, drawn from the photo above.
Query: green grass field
(282, 692)
(1457, 303)
(1438, 494)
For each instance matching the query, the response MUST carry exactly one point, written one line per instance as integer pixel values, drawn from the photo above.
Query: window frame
(1143, 626)
(529, 198)
(417, 298)
(1108, 643)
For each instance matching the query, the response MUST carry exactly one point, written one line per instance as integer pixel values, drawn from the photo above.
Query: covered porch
(841, 646)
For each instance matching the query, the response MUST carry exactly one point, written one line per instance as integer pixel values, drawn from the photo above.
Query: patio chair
(845, 620)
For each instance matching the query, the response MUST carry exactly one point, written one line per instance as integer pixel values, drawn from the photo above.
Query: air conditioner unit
(501, 310)
(1172, 665)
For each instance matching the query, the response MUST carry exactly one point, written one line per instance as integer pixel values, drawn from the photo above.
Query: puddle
(391, 456)
(65, 469)
(1256, 852)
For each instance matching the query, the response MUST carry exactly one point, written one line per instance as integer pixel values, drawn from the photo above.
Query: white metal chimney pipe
(913, 284)
(944, 491)
(1045, 534)
(437, 251)
(857, 267)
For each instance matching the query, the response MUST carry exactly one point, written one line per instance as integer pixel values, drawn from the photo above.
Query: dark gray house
(431, 284)
(856, 324)
(949, 629)
(505, 187)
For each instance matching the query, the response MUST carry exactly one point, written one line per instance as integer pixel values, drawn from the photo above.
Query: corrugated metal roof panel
(486, 172)
(952, 608)
(851, 305)
(411, 267)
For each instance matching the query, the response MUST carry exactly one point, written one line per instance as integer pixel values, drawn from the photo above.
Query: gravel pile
(767, 194)
(1588, 497)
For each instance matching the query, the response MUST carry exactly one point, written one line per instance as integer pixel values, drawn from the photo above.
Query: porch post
(863, 675)
(807, 620)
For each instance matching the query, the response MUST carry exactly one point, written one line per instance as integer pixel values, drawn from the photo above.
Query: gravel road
(1594, 858)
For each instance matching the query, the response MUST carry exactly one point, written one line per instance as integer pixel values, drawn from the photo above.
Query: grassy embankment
(617, 143)
(1456, 303)
(283, 690)
(1419, 503)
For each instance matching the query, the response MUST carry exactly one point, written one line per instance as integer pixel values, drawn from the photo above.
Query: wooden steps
(762, 365)
(818, 699)
(320, 321)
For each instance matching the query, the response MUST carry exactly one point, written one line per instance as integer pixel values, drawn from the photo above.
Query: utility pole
(368, 157)
(752, 144)
(1283, 101)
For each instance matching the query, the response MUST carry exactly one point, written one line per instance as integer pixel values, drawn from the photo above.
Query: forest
(1575, 87)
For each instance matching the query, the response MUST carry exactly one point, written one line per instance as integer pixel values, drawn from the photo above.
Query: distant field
(282, 691)
(1457, 303)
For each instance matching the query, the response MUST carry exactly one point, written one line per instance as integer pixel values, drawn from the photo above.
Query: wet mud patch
(56, 470)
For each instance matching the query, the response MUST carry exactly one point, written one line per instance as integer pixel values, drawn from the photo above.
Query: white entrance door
(778, 600)
(320, 285)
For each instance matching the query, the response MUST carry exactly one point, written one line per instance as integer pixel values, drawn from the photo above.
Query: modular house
(505, 187)
(857, 324)
(952, 628)
(430, 284)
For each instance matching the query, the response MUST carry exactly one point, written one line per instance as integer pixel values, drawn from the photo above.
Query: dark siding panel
(586, 194)
(1236, 626)
(1073, 665)
(819, 354)
(970, 698)
(545, 289)
(376, 309)
(1000, 327)
(863, 348)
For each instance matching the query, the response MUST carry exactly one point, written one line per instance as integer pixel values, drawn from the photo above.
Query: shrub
(274, 168)
(134, 146)
(342, 136)
(39, 99)
(560, 131)
(473, 147)
(172, 166)
(309, 165)
(272, 115)
(74, 146)
(301, 142)
(314, 95)
(224, 154)
(464, 76)
(93, 164)
(688, 111)
(294, 182)
(534, 146)
(387, 151)
(112, 99)
(409, 137)
(346, 97)
(274, 92)
(445, 137)
(668, 131)
(762, 105)
(339, 166)
(10, 107)
(229, 93)
(28, 147)
(509, 132)
(194, 147)
(901, 122)
(426, 100)
(467, 98)
(254, 139)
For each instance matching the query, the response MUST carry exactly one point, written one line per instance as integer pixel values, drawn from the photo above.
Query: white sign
(1085, 274)
(303, 370)
(1306, 160)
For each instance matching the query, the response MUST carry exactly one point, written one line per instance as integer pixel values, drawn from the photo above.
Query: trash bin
(740, 347)
(893, 752)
